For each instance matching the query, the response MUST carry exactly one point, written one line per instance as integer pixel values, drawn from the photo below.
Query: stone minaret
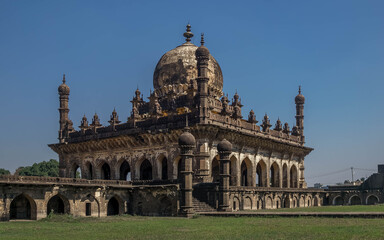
(63, 110)
(299, 101)
(225, 149)
(187, 143)
(202, 57)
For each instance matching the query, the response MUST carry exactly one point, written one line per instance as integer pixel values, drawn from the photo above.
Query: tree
(4, 172)
(46, 169)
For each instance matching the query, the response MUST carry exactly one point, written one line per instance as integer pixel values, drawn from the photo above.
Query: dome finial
(202, 39)
(299, 89)
(64, 78)
(188, 34)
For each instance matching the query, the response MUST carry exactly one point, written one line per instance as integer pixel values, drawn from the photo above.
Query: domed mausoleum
(184, 148)
(177, 69)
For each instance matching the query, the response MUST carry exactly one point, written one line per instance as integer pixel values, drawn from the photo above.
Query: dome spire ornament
(188, 34)
(63, 77)
(202, 39)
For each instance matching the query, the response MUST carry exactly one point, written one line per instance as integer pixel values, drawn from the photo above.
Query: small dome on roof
(202, 51)
(299, 99)
(224, 146)
(177, 67)
(187, 139)
(63, 88)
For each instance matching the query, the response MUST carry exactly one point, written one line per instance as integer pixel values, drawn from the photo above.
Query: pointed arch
(58, 204)
(105, 171)
(23, 207)
(309, 201)
(338, 200)
(268, 202)
(125, 171)
(75, 171)
(91, 206)
(372, 200)
(285, 175)
(275, 175)
(247, 204)
(113, 207)
(215, 169)
(354, 200)
(261, 174)
(293, 175)
(246, 172)
(233, 171)
(146, 170)
(235, 204)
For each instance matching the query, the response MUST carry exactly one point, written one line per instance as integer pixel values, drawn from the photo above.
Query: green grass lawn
(130, 227)
(354, 208)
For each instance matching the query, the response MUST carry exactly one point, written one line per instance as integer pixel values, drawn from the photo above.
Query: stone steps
(201, 206)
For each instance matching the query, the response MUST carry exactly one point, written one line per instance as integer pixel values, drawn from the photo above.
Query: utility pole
(352, 173)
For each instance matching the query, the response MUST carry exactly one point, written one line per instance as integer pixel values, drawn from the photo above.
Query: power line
(331, 173)
(363, 169)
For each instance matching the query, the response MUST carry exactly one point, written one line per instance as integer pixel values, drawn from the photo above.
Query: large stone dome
(177, 67)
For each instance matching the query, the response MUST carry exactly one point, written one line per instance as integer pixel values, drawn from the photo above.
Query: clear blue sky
(334, 49)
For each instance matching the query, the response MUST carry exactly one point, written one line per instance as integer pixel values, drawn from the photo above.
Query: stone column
(187, 144)
(224, 148)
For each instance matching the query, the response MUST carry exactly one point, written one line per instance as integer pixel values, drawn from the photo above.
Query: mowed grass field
(354, 208)
(134, 227)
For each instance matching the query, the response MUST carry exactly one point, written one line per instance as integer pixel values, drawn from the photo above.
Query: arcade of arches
(243, 173)
(35, 199)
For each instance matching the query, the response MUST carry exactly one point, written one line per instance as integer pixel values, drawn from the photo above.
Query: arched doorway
(293, 174)
(246, 173)
(164, 168)
(23, 207)
(76, 171)
(125, 171)
(372, 200)
(105, 172)
(285, 176)
(57, 205)
(261, 174)
(146, 170)
(113, 207)
(215, 170)
(355, 200)
(275, 175)
(338, 200)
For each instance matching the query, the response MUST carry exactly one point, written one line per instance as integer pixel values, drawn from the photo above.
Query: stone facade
(145, 164)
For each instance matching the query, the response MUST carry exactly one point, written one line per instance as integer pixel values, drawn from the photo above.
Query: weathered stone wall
(31, 198)
(356, 197)
(261, 166)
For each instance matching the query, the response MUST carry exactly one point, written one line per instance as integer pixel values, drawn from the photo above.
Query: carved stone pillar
(187, 143)
(224, 148)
